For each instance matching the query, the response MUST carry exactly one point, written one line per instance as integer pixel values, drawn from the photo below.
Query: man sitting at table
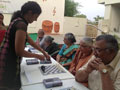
(103, 72)
(83, 54)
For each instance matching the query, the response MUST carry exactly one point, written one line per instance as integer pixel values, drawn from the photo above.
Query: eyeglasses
(99, 49)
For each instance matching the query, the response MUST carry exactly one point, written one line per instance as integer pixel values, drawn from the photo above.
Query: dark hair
(28, 6)
(112, 43)
(41, 31)
(70, 37)
(1, 14)
(49, 39)
(3, 17)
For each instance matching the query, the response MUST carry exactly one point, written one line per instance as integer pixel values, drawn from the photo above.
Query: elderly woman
(51, 47)
(83, 54)
(67, 51)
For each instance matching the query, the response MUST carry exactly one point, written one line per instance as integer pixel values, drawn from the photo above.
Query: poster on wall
(52, 16)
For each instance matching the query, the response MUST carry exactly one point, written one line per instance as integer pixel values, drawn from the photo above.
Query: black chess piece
(43, 68)
(29, 50)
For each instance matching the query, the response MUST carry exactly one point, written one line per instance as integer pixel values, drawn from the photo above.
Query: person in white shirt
(102, 72)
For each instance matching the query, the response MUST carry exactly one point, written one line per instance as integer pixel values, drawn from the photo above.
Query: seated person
(40, 38)
(68, 50)
(83, 54)
(2, 28)
(51, 47)
(102, 72)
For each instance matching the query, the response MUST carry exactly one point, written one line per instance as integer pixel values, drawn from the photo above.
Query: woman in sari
(68, 50)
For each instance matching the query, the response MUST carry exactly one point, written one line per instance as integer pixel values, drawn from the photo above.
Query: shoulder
(64, 46)
(55, 44)
(21, 25)
(76, 46)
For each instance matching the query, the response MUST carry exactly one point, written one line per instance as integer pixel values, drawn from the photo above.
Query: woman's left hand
(47, 56)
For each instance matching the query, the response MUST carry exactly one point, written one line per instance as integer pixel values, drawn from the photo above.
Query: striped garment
(9, 61)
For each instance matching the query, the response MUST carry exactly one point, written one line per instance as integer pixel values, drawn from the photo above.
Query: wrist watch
(104, 71)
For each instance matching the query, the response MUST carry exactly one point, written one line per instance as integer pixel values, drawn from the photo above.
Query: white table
(66, 83)
(31, 74)
(32, 78)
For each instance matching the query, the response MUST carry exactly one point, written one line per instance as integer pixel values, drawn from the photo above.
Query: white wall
(101, 1)
(108, 12)
(7, 18)
(115, 18)
(112, 19)
(112, 1)
(47, 14)
(74, 25)
(109, 1)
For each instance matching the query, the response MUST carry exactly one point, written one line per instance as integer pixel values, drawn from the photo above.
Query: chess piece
(43, 68)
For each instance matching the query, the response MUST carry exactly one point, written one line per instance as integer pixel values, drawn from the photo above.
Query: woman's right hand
(40, 57)
(47, 56)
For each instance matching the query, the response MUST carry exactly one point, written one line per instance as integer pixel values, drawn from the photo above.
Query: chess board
(69, 88)
(32, 61)
(51, 69)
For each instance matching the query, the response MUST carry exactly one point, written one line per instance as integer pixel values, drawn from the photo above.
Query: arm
(67, 64)
(58, 58)
(32, 43)
(83, 73)
(72, 66)
(70, 61)
(107, 83)
(19, 46)
(60, 53)
(117, 81)
(37, 41)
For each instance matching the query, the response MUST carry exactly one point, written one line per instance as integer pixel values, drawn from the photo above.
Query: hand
(47, 56)
(73, 72)
(89, 68)
(97, 64)
(71, 69)
(40, 57)
(93, 65)
(101, 67)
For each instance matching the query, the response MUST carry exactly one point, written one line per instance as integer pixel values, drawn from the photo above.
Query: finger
(95, 62)
(100, 60)
(94, 65)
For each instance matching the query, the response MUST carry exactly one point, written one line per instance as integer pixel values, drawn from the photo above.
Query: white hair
(88, 41)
